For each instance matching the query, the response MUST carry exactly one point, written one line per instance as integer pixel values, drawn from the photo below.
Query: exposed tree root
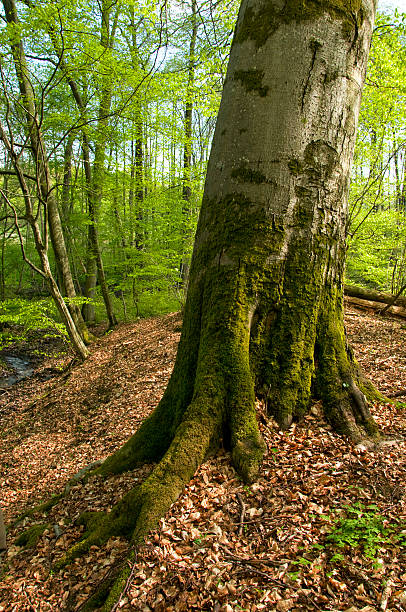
(211, 400)
(339, 381)
(218, 412)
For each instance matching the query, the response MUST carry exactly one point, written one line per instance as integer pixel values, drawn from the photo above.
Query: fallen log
(374, 296)
(397, 311)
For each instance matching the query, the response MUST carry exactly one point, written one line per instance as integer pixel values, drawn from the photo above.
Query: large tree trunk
(264, 310)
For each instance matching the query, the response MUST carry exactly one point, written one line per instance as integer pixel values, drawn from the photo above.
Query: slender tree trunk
(94, 176)
(67, 178)
(95, 189)
(41, 246)
(2, 265)
(44, 178)
(137, 154)
(264, 309)
(187, 150)
(3, 245)
(139, 183)
(65, 204)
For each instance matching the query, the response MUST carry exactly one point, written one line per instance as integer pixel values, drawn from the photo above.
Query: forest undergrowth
(323, 528)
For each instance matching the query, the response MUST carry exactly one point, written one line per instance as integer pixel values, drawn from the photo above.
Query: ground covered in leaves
(323, 528)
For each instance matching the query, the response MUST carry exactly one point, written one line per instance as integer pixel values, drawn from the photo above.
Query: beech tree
(264, 310)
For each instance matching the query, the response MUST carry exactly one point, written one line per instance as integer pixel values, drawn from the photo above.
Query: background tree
(145, 114)
(376, 257)
(33, 132)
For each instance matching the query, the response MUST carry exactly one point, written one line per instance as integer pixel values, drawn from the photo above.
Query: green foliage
(377, 230)
(28, 315)
(374, 249)
(365, 528)
(145, 225)
(301, 561)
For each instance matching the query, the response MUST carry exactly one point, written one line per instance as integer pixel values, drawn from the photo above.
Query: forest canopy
(126, 98)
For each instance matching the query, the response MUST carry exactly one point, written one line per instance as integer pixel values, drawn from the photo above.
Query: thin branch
(14, 173)
(21, 240)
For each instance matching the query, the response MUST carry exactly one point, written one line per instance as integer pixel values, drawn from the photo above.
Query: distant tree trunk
(45, 186)
(3, 244)
(2, 264)
(137, 193)
(95, 190)
(376, 296)
(131, 195)
(139, 184)
(67, 178)
(41, 246)
(187, 150)
(94, 176)
(400, 176)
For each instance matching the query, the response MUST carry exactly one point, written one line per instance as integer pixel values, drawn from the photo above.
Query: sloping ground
(224, 546)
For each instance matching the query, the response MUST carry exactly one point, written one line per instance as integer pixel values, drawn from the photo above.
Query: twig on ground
(253, 560)
(127, 584)
(398, 393)
(251, 568)
(386, 593)
(242, 515)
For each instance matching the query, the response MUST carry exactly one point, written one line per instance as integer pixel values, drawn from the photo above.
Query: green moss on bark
(43, 508)
(31, 535)
(338, 377)
(251, 80)
(259, 25)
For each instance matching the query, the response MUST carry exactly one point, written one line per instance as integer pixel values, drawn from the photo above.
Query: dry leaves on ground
(223, 546)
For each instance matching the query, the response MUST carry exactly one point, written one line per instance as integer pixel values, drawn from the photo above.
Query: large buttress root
(338, 378)
(142, 507)
(222, 409)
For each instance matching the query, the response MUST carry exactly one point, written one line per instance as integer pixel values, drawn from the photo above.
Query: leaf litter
(224, 546)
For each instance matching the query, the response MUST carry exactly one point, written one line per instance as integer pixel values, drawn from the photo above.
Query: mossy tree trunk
(264, 310)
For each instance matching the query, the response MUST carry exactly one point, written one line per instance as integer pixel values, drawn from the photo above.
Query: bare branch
(20, 237)
(13, 173)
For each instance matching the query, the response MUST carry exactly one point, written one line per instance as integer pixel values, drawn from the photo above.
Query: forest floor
(323, 528)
